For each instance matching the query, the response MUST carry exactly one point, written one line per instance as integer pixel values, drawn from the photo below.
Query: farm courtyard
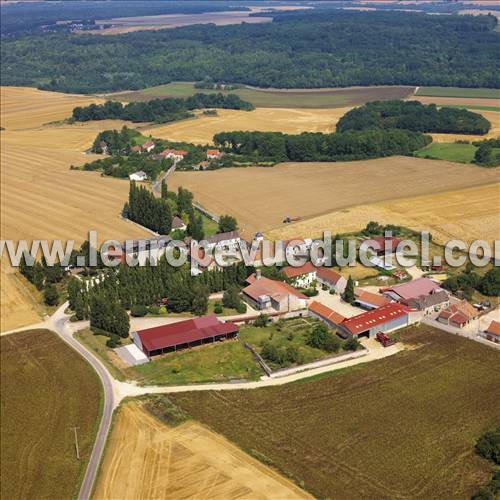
(401, 427)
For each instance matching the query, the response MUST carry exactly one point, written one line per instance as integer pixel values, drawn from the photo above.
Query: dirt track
(147, 459)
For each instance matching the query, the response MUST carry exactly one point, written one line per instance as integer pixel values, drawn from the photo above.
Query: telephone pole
(76, 443)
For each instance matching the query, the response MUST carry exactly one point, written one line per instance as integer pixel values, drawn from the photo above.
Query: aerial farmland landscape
(250, 249)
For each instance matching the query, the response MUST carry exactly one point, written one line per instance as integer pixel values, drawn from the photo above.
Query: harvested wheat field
(260, 197)
(466, 214)
(148, 459)
(41, 198)
(23, 107)
(288, 120)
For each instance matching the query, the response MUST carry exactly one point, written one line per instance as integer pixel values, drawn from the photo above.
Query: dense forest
(158, 110)
(413, 115)
(309, 146)
(331, 48)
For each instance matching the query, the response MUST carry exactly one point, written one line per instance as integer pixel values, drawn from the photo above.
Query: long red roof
(190, 330)
(370, 319)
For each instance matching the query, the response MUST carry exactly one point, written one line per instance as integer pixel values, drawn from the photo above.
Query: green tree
(51, 295)
(164, 189)
(200, 299)
(231, 297)
(227, 223)
(488, 446)
(351, 344)
(261, 320)
(349, 291)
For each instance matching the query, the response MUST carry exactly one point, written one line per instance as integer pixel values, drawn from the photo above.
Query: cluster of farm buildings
(386, 310)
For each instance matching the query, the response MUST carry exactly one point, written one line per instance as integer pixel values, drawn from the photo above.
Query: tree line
(331, 48)
(487, 153)
(309, 146)
(415, 116)
(158, 110)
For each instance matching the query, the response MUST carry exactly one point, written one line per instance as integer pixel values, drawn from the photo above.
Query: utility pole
(76, 443)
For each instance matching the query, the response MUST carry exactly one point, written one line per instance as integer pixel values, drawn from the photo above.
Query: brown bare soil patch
(148, 459)
(260, 197)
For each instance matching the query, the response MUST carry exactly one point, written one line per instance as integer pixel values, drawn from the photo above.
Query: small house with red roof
(301, 276)
(369, 300)
(214, 154)
(458, 315)
(183, 335)
(332, 279)
(332, 318)
(148, 146)
(174, 154)
(275, 296)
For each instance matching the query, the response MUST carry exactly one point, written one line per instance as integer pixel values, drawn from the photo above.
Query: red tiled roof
(182, 332)
(148, 144)
(372, 298)
(293, 272)
(494, 328)
(463, 308)
(370, 319)
(459, 318)
(381, 243)
(329, 275)
(274, 289)
(326, 313)
(213, 152)
(136, 148)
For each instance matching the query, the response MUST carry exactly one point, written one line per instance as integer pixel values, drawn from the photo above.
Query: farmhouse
(492, 333)
(412, 290)
(184, 334)
(302, 276)
(104, 146)
(332, 318)
(203, 165)
(332, 279)
(148, 146)
(432, 302)
(369, 300)
(384, 319)
(266, 294)
(214, 154)
(458, 315)
(174, 154)
(136, 149)
(138, 176)
(178, 223)
(381, 245)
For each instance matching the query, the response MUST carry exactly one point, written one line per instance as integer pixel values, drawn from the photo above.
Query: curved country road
(59, 323)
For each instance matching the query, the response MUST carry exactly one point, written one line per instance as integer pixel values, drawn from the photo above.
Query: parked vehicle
(384, 339)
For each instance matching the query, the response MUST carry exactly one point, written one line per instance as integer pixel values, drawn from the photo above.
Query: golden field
(260, 197)
(466, 214)
(200, 130)
(40, 197)
(145, 458)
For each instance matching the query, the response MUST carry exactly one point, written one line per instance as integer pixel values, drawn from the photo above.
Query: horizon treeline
(331, 48)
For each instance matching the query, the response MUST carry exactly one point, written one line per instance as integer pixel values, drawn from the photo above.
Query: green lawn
(293, 98)
(484, 108)
(458, 92)
(461, 153)
(210, 227)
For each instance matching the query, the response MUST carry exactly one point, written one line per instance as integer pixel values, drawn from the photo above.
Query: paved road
(156, 187)
(59, 322)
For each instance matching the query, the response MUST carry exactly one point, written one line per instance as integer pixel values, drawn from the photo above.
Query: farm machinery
(384, 339)
(287, 219)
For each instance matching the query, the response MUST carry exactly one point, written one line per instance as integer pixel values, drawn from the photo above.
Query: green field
(473, 106)
(322, 98)
(458, 92)
(401, 427)
(47, 388)
(461, 153)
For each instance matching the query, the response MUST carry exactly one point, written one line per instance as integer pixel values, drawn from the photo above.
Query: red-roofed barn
(184, 334)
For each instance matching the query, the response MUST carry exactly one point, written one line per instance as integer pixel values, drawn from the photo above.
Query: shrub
(113, 341)
(138, 311)
(218, 308)
(332, 291)
(351, 344)
(261, 320)
(242, 308)
(154, 310)
(310, 292)
(176, 367)
(488, 446)
(50, 295)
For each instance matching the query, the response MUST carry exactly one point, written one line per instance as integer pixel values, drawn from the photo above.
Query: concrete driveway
(336, 303)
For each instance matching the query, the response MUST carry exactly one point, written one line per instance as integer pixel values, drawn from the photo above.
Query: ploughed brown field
(260, 197)
(47, 388)
(401, 427)
(146, 458)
